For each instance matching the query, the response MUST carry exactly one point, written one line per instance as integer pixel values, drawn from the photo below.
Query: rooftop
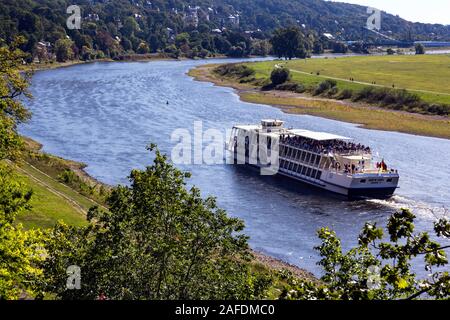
(319, 136)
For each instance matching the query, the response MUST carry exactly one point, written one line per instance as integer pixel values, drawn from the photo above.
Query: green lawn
(47, 208)
(426, 75)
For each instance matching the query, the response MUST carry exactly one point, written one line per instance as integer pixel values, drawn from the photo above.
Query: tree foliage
(376, 269)
(20, 251)
(63, 50)
(420, 49)
(280, 75)
(157, 241)
(13, 86)
(289, 43)
(109, 27)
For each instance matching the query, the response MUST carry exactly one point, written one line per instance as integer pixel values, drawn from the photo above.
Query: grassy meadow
(48, 207)
(426, 75)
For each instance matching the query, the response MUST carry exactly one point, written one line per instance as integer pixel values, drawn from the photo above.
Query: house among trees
(191, 16)
(44, 52)
(92, 17)
(233, 19)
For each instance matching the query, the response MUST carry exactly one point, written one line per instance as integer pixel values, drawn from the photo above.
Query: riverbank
(126, 58)
(48, 65)
(363, 114)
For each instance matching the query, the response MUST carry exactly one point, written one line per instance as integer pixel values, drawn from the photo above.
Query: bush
(399, 100)
(332, 92)
(345, 94)
(234, 70)
(280, 75)
(236, 52)
(67, 177)
(420, 49)
(291, 86)
(324, 86)
(390, 51)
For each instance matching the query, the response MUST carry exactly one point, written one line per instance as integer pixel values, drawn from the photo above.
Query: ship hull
(379, 192)
(371, 193)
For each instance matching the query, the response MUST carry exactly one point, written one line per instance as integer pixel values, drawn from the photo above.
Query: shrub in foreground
(379, 268)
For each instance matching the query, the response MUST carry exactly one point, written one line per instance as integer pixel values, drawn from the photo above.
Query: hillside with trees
(118, 28)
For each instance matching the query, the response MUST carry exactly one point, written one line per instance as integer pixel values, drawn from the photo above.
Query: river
(104, 114)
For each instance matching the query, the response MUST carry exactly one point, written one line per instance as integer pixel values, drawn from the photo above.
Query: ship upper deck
(316, 135)
(313, 141)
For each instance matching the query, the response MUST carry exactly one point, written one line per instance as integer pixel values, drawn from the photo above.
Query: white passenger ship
(331, 162)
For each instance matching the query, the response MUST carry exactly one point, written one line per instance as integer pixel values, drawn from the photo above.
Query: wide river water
(104, 114)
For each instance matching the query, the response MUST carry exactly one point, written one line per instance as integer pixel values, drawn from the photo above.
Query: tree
(390, 51)
(130, 27)
(289, 43)
(280, 75)
(340, 47)
(420, 48)
(157, 241)
(143, 48)
(182, 39)
(318, 48)
(13, 87)
(381, 270)
(173, 51)
(260, 48)
(236, 52)
(21, 251)
(126, 44)
(63, 50)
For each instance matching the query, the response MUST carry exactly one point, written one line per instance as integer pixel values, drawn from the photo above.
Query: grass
(53, 200)
(426, 75)
(369, 117)
(47, 208)
(83, 202)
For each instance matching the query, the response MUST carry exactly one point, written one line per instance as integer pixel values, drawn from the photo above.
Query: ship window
(313, 174)
(281, 150)
(389, 180)
(281, 163)
(313, 158)
(291, 164)
(286, 164)
(318, 174)
(363, 181)
(295, 168)
(294, 152)
(299, 169)
(308, 173)
(303, 156)
(317, 160)
(290, 152)
(304, 170)
(308, 156)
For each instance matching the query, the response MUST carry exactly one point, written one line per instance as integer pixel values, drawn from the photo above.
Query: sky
(427, 11)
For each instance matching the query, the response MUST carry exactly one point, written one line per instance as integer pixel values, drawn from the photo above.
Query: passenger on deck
(330, 146)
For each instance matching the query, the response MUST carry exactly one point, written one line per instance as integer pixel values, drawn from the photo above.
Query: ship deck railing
(361, 153)
(363, 172)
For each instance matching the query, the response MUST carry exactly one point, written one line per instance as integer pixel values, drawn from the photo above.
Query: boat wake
(419, 208)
